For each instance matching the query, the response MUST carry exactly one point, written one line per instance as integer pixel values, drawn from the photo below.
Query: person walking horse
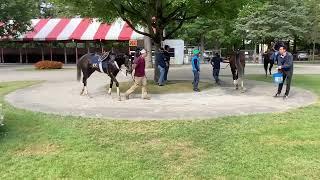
(167, 60)
(140, 78)
(215, 62)
(285, 66)
(160, 57)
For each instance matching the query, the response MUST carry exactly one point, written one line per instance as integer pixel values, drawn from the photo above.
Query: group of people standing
(139, 65)
(195, 61)
(280, 56)
(163, 62)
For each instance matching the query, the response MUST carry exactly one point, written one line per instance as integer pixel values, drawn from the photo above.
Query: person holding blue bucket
(285, 67)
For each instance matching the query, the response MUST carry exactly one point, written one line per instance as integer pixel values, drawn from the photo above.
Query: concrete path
(60, 95)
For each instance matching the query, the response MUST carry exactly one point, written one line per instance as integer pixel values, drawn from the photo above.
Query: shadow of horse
(108, 63)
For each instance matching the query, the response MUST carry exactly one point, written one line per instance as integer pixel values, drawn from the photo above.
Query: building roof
(61, 29)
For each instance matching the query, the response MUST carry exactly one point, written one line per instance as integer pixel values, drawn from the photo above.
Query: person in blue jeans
(196, 69)
(161, 66)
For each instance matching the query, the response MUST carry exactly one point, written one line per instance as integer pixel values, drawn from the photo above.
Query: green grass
(174, 86)
(266, 146)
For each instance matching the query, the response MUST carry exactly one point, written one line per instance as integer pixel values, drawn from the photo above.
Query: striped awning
(79, 29)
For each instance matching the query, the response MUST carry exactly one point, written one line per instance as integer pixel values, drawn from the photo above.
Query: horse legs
(110, 87)
(117, 84)
(266, 63)
(270, 68)
(86, 74)
(243, 89)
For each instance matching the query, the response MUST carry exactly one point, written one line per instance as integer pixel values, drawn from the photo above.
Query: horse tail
(78, 72)
(79, 68)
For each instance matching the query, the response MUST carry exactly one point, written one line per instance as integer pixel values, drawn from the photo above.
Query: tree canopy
(15, 16)
(282, 20)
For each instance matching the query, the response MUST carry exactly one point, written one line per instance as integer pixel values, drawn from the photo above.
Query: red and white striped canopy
(79, 29)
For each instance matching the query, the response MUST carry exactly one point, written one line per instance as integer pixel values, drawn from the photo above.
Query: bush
(45, 64)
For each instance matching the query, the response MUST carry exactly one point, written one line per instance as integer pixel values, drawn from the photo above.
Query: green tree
(314, 29)
(15, 16)
(155, 16)
(266, 21)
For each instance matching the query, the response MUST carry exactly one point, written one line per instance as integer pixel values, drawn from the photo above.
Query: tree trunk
(2, 57)
(156, 70)
(313, 50)
(148, 48)
(42, 54)
(27, 61)
(295, 45)
(65, 53)
(20, 54)
(76, 53)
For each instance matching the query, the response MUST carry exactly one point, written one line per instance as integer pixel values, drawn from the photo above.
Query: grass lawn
(269, 146)
(174, 86)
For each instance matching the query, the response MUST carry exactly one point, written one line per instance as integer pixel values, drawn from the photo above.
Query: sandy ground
(60, 95)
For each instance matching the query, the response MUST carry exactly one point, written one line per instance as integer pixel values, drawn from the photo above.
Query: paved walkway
(60, 95)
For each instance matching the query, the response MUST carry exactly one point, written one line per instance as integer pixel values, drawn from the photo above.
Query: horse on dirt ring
(237, 64)
(268, 59)
(108, 63)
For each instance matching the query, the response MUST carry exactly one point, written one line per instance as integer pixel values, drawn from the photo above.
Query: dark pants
(287, 77)
(195, 79)
(215, 74)
(166, 73)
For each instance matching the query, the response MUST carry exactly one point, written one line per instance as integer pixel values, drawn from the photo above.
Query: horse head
(128, 64)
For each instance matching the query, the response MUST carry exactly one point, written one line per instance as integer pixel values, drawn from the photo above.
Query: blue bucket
(278, 78)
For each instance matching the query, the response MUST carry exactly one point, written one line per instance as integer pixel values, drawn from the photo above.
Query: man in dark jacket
(285, 65)
(161, 66)
(215, 62)
(167, 61)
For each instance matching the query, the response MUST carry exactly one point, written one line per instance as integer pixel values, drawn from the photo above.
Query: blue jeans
(166, 73)
(195, 79)
(162, 72)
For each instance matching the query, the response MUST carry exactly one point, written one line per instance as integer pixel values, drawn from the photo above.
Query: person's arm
(288, 63)
(135, 63)
(195, 63)
(211, 61)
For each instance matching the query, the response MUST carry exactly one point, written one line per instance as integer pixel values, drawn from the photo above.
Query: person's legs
(281, 84)
(136, 84)
(270, 68)
(144, 94)
(266, 63)
(216, 75)
(166, 73)
(288, 83)
(161, 78)
(195, 80)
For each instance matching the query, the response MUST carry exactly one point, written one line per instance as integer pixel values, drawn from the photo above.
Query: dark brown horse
(237, 65)
(108, 63)
(267, 59)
